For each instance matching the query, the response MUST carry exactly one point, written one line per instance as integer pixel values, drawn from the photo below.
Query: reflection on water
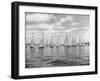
(56, 56)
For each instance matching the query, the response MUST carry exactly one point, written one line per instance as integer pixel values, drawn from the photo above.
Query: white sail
(66, 40)
(73, 41)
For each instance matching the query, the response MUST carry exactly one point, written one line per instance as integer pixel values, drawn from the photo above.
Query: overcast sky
(76, 24)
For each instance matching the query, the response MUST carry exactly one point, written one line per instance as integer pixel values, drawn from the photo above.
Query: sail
(73, 41)
(66, 40)
(32, 41)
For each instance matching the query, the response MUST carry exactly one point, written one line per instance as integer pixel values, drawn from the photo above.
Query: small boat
(40, 46)
(31, 46)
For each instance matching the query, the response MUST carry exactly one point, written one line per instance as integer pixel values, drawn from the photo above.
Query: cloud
(86, 27)
(59, 28)
(37, 17)
(70, 30)
(64, 19)
(74, 23)
(69, 18)
(40, 27)
(48, 27)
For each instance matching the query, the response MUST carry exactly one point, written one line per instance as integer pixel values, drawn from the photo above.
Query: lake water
(56, 56)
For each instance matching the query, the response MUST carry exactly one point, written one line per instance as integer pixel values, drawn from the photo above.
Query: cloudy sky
(76, 24)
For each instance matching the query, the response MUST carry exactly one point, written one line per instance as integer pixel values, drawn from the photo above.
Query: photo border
(15, 39)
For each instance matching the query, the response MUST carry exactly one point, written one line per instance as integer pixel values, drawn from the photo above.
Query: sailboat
(80, 41)
(47, 43)
(67, 41)
(83, 43)
(51, 42)
(73, 42)
(41, 45)
(32, 42)
(57, 42)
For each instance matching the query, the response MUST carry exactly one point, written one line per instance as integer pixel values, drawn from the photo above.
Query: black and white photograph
(53, 40)
(50, 40)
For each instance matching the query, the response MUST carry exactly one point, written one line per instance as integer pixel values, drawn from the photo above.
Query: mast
(42, 38)
(32, 41)
(82, 42)
(58, 40)
(69, 39)
(79, 40)
(73, 41)
(51, 42)
(66, 39)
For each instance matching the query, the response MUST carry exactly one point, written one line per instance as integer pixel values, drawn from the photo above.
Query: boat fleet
(67, 41)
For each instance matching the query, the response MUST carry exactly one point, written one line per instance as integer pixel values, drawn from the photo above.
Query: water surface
(56, 56)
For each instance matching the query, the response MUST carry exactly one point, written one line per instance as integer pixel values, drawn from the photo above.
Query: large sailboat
(57, 42)
(80, 41)
(67, 41)
(51, 42)
(41, 45)
(32, 45)
(74, 41)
